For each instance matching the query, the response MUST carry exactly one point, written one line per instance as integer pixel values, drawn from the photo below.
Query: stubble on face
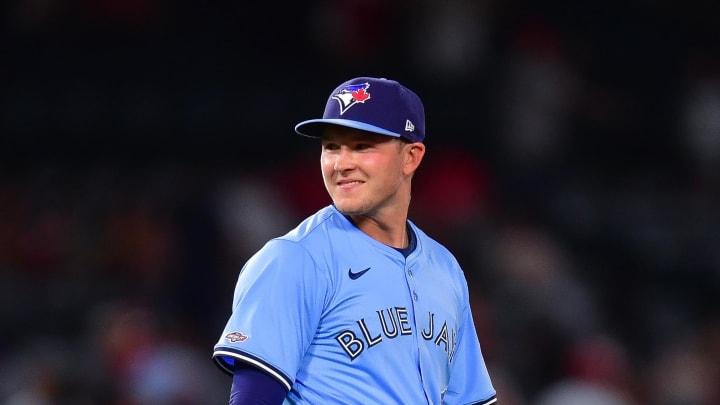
(368, 178)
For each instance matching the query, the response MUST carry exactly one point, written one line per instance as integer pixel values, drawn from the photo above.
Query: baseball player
(357, 305)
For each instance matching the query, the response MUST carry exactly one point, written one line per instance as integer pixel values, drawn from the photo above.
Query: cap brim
(313, 128)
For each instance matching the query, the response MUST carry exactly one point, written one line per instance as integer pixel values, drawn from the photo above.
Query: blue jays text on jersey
(338, 317)
(394, 322)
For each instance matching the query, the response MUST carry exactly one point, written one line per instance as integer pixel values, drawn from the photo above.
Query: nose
(343, 159)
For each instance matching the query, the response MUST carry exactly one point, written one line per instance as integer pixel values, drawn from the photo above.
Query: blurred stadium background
(147, 150)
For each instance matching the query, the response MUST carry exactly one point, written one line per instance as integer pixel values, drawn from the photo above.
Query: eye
(363, 146)
(330, 146)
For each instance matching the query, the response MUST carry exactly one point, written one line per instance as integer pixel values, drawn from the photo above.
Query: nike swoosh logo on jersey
(355, 276)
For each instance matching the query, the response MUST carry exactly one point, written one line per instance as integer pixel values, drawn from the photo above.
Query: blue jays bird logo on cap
(351, 95)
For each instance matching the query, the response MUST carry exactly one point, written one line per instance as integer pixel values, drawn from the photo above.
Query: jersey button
(410, 273)
(415, 297)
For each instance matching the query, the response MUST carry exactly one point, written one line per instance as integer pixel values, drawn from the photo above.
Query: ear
(414, 153)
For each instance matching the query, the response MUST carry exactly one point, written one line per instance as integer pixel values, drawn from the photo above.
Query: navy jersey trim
(225, 359)
(490, 401)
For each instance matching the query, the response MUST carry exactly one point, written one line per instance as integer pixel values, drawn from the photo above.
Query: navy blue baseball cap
(371, 104)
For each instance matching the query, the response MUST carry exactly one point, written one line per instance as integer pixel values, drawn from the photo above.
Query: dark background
(147, 149)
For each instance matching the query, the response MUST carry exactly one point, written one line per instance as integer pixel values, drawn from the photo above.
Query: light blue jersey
(340, 318)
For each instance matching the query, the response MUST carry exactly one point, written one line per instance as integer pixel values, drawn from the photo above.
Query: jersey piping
(219, 356)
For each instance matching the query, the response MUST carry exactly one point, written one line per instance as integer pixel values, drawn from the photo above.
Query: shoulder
(325, 220)
(312, 237)
(431, 246)
(435, 255)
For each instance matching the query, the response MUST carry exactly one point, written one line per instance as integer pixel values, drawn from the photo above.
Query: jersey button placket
(410, 277)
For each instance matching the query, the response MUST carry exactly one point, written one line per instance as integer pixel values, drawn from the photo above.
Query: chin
(346, 211)
(349, 209)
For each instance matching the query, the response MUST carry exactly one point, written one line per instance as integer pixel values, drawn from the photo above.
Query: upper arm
(279, 298)
(469, 378)
(254, 387)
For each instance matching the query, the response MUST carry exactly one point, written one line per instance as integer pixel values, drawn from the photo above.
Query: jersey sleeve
(277, 305)
(469, 379)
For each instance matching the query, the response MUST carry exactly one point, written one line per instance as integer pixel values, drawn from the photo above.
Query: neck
(394, 234)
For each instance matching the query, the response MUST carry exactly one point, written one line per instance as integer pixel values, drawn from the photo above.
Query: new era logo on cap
(372, 104)
(409, 126)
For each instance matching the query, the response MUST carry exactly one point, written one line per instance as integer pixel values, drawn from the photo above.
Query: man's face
(363, 171)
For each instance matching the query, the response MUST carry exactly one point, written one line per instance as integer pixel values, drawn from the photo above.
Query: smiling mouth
(348, 184)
